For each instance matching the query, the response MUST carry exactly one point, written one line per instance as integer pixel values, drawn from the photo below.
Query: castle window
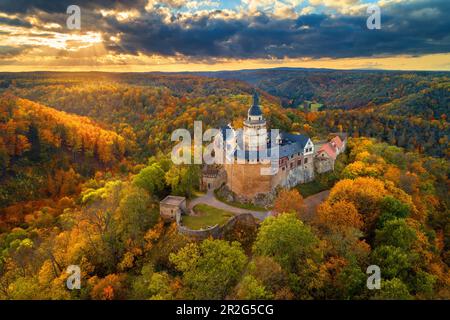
(299, 162)
(283, 168)
(306, 160)
(292, 165)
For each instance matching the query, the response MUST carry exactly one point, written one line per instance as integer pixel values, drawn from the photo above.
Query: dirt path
(310, 203)
(212, 201)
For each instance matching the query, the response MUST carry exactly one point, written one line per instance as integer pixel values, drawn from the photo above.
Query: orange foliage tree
(288, 201)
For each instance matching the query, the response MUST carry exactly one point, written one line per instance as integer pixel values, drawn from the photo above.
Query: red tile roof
(328, 148)
(337, 141)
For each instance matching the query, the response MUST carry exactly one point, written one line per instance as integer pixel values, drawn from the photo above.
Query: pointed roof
(337, 141)
(255, 109)
(328, 148)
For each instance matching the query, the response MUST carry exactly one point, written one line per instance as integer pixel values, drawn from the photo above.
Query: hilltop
(39, 143)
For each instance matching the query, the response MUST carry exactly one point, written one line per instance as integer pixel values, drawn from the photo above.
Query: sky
(208, 35)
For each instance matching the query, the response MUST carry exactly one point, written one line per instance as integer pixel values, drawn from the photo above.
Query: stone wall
(248, 185)
(200, 234)
(246, 179)
(169, 212)
(324, 165)
(215, 232)
(245, 218)
(260, 200)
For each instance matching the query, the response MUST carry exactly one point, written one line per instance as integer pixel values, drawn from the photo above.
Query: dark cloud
(55, 11)
(416, 28)
(407, 28)
(8, 51)
(58, 6)
(14, 22)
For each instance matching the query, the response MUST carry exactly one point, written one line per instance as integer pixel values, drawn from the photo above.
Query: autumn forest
(85, 161)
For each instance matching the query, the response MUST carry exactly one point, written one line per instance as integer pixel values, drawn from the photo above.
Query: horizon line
(231, 70)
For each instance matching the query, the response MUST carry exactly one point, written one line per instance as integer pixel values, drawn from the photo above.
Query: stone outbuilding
(171, 207)
(326, 155)
(213, 177)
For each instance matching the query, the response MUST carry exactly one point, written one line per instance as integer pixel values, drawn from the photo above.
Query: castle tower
(255, 132)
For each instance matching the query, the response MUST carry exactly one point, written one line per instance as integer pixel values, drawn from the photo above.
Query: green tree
(151, 179)
(392, 208)
(140, 284)
(392, 261)
(351, 282)
(423, 284)
(159, 286)
(135, 215)
(251, 288)
(183, 179)
(393, 289)
(287, 240)
(210, 269)
(396, 233)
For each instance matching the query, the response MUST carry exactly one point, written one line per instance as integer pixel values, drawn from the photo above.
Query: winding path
(310, 204)
(212, 201)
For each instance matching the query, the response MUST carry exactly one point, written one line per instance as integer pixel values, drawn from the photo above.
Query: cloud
(307, 10)
(404, 31)
(10, 51)
(16, 22)
(290, 29)
(344, 6)
(50, 6)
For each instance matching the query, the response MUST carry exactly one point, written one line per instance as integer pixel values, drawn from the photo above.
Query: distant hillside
(42, 149)
(336, 88)
(408, 109)
(430, 103)
(145, 108)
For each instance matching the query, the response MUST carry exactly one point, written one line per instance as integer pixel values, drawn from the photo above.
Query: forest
(407, 109)
(85, 160)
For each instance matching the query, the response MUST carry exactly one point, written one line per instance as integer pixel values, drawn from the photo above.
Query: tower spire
(255, 98)
(255, 109)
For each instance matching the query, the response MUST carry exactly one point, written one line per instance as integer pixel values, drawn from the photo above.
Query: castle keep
(251, 150)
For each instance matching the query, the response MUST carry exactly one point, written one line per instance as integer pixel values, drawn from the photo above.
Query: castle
(251, 151)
